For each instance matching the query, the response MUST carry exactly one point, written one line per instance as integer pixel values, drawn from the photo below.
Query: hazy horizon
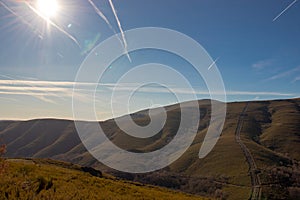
(71, 119)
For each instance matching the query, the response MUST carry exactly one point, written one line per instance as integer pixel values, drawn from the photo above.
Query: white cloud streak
(55, 90)
(282, 12)
(7, 99)
(284, 74)
(262, 64)
(99, 13)
(296, 79)
(213, 63)
(120, 28)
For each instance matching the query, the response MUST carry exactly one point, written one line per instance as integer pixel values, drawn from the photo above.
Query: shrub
(43, 184)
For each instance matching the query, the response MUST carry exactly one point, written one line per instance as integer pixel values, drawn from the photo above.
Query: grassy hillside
(45, 179)
(270, 130)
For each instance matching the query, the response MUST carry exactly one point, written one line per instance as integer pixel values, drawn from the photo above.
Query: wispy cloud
(52, 91)
(262, 64)
(150, 89)
(296, 79)
(8, 99)
(260, 93)
(284, 74)
(56, 97)
(42, 90)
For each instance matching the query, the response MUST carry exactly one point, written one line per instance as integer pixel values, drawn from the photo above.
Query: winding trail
(255, 180)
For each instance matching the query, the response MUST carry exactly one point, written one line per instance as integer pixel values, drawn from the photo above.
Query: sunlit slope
(271, 131)
(44, 179)
(274, 125)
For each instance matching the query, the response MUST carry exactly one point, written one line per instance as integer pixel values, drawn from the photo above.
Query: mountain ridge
(270, 131)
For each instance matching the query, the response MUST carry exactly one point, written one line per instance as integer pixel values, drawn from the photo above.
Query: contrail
(212, 64)
(100, 13)
(36, 31)
(123, 40)
(284, 10)
(120, 28)
(103, 17)
(53, 24)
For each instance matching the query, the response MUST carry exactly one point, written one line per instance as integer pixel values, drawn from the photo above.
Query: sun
(47, 8)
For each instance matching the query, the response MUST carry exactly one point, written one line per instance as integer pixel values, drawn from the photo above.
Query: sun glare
(47, 8)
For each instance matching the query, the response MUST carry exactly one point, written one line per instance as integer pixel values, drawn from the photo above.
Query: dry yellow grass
(26, 179)
(270, 131)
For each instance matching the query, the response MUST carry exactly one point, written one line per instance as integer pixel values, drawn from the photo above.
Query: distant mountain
(257, 154)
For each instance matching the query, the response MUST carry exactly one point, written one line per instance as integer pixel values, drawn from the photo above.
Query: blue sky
(257, 54)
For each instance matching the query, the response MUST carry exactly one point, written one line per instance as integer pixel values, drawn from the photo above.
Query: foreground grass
(25, 179)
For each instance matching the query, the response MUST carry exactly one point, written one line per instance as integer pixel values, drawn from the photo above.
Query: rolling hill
(258, 148)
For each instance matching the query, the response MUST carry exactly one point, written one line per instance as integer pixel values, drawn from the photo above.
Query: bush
(43, 184)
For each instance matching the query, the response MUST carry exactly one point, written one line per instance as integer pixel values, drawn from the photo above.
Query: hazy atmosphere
(255, 45)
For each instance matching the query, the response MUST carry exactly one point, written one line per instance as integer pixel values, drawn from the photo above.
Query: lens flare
(48, 8)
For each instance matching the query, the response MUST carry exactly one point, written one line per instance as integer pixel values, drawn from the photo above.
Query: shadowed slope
(270, 131)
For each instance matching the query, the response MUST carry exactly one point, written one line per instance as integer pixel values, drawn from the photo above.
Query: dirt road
(255, 180)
